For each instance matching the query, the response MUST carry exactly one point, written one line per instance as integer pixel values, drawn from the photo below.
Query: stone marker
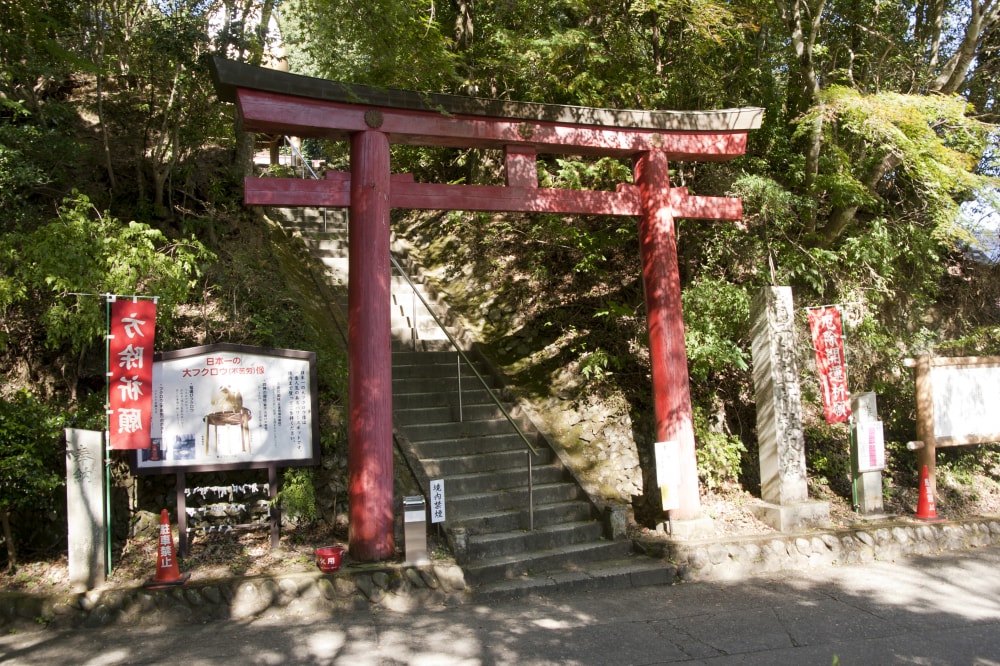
(85, 508)
(786, 504)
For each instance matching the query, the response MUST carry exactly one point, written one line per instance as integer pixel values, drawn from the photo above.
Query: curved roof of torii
(230, 75)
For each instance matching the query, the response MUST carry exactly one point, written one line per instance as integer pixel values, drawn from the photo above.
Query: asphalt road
(943, 609)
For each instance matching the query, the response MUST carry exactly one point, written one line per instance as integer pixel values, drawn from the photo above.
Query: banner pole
(107, 433)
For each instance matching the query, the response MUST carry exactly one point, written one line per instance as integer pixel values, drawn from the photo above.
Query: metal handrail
(301, 157)
(532, 451)
(461, 353)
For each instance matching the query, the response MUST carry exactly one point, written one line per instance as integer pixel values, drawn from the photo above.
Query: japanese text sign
(132, 331)
(229, 406)
(437, 501)
(871, 446)
(831, 366)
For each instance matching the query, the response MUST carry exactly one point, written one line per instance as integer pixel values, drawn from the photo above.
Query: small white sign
(437, 500)
(871, 446)
(668, 473)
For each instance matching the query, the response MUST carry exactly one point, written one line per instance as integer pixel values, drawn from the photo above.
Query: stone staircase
(448, 426)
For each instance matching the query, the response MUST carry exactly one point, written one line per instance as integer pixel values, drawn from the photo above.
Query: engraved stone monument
(784, 492)
(85, 508)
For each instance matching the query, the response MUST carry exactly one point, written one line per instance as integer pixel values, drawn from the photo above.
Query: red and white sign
(871, 446)
(130, 372)
(831, 366)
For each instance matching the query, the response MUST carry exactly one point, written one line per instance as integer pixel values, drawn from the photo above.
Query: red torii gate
(371, 119)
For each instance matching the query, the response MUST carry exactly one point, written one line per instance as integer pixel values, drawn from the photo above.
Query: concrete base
(793, 517)
(875, 517)
(699, 528)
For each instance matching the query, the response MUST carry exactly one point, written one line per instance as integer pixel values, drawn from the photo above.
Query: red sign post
(831, 365)
(131, 333)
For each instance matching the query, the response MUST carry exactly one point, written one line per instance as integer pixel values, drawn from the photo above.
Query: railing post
(531, 496)
(458, 363)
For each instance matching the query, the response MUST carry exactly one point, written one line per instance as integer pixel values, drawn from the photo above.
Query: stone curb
(399, 588)
(406, 588)
(731, 559)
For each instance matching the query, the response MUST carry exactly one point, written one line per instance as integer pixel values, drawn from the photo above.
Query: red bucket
(329, 558)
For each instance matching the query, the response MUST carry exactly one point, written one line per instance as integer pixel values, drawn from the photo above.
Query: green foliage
(908, 150)
(718, 453)
(31, 453)
(717, 321)
(297, 496)
(828, 455)
(86, 252)
(377, 42)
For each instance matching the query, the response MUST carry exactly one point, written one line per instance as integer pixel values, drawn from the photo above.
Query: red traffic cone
(925, 504)
(167, 572)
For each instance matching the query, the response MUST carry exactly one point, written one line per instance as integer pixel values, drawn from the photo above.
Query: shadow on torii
(371, 119)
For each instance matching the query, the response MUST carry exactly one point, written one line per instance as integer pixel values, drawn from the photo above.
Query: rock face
(596, 440)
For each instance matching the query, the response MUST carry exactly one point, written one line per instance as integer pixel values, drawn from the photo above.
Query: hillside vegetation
(871, 184)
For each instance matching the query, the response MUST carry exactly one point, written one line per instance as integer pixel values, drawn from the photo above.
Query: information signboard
(230, 406)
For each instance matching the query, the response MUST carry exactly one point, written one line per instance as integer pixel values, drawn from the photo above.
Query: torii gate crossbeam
(373, 119)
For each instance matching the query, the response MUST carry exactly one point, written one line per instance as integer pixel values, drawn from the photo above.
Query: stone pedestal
(697, 528)
(779, 416)
(793, 517)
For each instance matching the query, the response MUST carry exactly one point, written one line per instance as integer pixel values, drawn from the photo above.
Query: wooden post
(180, 487)
(369, 352)
(925, 420)
(668, 354)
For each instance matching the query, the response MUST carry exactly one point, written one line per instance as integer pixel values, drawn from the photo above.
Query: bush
(31, 457)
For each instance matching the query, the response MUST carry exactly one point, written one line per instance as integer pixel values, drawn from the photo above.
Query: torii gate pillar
(667, 352)
(369, 435)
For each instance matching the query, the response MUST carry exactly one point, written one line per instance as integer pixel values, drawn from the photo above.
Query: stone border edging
(394, 587)
(729, 559)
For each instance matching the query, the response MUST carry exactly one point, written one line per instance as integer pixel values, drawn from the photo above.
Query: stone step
(407, 357)
(555, 559)
(511, 480)
(309, 217)
(444, 414)
(496, 434)
(426, 328)
(519, 518)
(581, 575)
(507, 441)
(331, 247)
(476, 463)
(410, 385)
(448, 370)
(520, 542)
(423, 345)
(469, 506)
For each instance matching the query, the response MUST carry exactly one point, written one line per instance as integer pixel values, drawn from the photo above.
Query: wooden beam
(521, 166)
(273, 113)
(405, 193)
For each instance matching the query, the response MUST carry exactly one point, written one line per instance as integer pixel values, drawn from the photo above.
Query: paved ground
(941, 609)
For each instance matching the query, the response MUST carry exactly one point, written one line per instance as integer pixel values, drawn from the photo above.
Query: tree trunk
(984, 16)
(8, 538)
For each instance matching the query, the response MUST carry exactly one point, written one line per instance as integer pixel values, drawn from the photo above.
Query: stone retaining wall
(396, 588)
(737, 558)
(402, 588)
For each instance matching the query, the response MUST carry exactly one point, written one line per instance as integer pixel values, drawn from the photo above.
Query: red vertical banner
(831, 366)
(132, 331)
